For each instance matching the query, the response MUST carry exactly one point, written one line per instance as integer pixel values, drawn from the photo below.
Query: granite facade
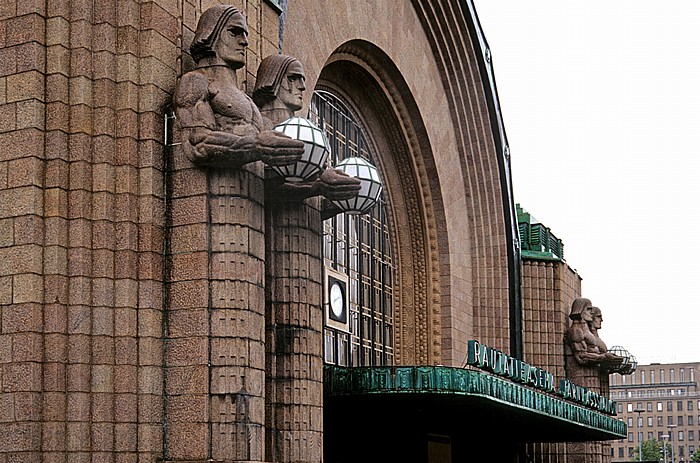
(142, 317)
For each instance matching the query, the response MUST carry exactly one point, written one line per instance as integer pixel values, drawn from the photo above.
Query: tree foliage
(653, 450)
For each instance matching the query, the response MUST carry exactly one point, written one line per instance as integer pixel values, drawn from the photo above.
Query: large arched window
(357, 250)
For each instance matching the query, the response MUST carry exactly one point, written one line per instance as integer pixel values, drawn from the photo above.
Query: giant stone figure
(218, 187)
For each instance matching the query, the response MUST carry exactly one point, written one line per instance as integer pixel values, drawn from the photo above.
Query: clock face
(337, 301)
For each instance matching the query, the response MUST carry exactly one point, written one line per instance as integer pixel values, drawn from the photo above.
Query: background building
(656, 400)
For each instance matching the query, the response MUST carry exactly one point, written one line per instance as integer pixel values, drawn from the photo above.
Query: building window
(640, 423)
(621, 452)
(651, 373)
(682, 374)
(690, 405)
(670, 420)
(690, 420)
(679, 406)
(642, 376)
(669, 406)
(649, 409)
(629, 408)
(630, 437)
(680, 421)
(619, 408)
(680, 435)
(629, 422)
(662, 376)
(673, 376)
(650, 435)
(650, 421)
(358, 246)
(659, 420)
(681, 450)
(659, 407)
(630, 451)
(691, 435)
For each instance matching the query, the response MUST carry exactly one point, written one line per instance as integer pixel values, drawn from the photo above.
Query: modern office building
(659, 400)
(165, 296)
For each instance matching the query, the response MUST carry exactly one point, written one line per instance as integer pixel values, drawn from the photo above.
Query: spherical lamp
(370, 186)
(629, 361)
(316, 149)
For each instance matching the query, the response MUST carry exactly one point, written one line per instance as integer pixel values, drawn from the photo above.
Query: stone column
(215, 350)
(237, 314)
(294, 331)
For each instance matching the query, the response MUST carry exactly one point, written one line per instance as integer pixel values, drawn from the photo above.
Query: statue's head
(597, 317)
(222, 32)
(280, 77)
(581, 309)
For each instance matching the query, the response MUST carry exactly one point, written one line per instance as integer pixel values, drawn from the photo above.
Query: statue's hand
(612, 358)
(277, 149)
(221, 142)
(336, 185)
(220, 148)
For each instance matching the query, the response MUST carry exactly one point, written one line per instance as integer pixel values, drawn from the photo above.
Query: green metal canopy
(462, 401)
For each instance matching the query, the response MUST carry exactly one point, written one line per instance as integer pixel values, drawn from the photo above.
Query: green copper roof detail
(536, 240)
(341, 381)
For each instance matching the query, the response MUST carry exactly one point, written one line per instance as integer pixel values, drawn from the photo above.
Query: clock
(336, 300)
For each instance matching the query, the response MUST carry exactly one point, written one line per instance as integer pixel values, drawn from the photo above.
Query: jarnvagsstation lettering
(498, 363)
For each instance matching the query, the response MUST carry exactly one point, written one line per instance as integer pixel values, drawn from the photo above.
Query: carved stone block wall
(81, 220)
(549, 287)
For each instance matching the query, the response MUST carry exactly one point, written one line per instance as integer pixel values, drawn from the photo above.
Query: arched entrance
(365, 80)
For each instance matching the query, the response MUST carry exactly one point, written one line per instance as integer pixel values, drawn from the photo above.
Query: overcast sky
(601, 107)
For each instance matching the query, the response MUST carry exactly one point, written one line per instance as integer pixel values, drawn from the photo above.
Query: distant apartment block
(658, 400)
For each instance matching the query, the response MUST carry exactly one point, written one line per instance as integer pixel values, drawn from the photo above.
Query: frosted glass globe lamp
(629, 361)
(370, 186)
(316, 149)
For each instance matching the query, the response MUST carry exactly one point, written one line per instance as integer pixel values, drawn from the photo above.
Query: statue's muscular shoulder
(191, 88)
